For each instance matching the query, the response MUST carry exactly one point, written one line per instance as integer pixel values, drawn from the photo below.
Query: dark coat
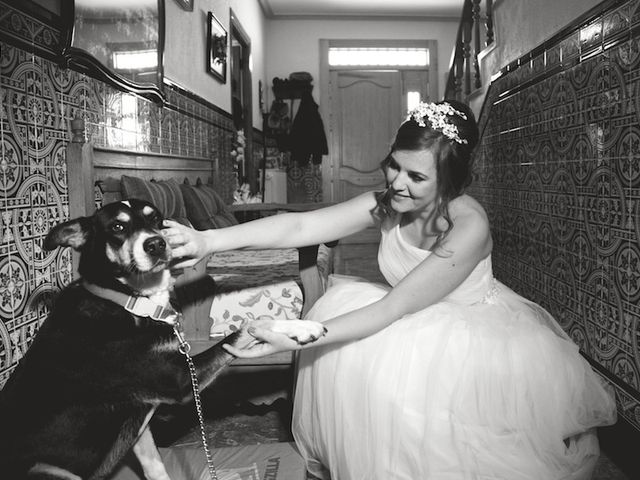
(307, 138)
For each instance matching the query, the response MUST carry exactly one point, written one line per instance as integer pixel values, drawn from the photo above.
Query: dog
(107, 355)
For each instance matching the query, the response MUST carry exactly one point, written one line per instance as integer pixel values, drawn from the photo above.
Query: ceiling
(403, 8)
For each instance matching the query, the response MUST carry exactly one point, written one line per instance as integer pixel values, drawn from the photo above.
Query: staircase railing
(474, 34)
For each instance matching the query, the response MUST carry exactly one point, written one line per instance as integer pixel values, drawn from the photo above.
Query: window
(413, 99)
(343, 56)
(135, 60)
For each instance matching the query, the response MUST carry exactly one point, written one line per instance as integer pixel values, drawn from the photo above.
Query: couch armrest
(194, 290)
(312, 285)
(313, 280)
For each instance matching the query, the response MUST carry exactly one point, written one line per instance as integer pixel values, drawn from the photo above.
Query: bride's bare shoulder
(471, 223)
(465, 205)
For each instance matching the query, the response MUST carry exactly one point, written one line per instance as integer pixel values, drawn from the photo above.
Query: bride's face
(413, 177)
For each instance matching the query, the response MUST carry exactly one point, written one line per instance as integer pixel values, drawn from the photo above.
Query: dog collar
(140, 306)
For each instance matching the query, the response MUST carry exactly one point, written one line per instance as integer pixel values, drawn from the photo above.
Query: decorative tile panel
(558, 169)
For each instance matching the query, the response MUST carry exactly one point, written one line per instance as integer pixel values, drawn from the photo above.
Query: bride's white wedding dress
(482, 385)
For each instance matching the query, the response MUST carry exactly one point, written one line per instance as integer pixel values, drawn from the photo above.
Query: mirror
(118, 41)
(241, 95)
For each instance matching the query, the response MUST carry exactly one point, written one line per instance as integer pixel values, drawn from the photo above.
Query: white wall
(520, 26)
(294, 45)
(186, 48)
(279, 47)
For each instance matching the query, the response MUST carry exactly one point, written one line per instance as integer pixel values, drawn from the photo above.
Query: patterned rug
(246, 425)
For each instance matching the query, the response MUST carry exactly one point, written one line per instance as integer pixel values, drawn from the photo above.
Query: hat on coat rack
(301, 77)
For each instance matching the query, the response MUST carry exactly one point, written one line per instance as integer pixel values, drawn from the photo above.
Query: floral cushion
(252, 284)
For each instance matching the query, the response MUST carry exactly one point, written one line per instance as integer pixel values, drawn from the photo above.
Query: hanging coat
(307, 138)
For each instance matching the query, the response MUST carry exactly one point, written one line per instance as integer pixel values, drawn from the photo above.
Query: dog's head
(121, 241)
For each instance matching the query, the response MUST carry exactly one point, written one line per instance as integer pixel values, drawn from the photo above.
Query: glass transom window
(135, 60)
(347, 56)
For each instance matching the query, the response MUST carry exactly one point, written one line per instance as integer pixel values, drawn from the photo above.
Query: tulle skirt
(484, 391)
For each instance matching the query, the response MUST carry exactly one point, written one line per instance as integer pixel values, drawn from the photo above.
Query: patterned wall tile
(558, 169)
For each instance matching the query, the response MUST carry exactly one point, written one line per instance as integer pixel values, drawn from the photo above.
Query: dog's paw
(302, 331)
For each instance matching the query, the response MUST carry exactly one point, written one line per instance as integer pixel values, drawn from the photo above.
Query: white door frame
(325, 79)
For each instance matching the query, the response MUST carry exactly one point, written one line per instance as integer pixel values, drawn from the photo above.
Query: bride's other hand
(268, 342)
(274, 336)
(188, 245)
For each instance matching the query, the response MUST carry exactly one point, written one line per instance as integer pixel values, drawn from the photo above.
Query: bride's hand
(268, 342)
(188, 245)
(274, 336)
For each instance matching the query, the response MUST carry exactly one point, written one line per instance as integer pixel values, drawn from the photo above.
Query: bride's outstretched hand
(188, 245)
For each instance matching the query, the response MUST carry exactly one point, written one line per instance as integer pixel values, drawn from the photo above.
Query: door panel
(366, 110)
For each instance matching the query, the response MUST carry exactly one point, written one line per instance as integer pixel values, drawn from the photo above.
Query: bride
(443, 373)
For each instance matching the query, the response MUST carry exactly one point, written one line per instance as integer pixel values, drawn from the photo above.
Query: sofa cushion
(252, 284)
(164, 194)
(205, 208)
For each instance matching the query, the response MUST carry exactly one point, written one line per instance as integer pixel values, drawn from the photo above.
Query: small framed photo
(186, 4)
(216, 49)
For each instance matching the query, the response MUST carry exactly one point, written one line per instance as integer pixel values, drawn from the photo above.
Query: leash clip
(183, 346)
(143, 307)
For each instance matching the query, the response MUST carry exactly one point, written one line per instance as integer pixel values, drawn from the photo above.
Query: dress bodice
(397, 257)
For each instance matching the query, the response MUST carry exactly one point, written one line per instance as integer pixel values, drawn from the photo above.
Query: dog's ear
(73, 233)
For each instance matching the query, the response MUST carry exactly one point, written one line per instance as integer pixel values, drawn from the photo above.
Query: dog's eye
(117, 227)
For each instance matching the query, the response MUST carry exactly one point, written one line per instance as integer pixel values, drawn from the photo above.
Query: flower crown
(437, 114)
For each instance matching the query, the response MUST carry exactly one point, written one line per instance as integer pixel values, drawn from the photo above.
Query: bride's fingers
(166, 223)
(278, 340)
(250, 352)
(181, 251)
(173, 235)
(185, 263)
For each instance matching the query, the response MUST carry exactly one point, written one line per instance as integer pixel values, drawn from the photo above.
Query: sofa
(225, 289)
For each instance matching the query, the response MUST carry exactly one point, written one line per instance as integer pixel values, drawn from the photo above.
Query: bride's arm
(286, 230)
(467, 244)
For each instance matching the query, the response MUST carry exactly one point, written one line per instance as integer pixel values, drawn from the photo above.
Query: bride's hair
(449, 129)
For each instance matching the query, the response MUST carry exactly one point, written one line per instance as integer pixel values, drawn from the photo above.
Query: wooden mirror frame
(80, 60)
(240, 72)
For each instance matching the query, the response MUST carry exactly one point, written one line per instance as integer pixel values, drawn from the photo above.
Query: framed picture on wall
(217, 40)
(186, 4)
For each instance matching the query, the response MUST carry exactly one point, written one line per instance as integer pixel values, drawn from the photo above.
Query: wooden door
(366, 110)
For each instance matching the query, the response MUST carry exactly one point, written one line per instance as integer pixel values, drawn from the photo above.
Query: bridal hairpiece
(437, 114)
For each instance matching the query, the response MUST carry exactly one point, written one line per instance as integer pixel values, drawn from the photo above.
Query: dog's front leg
(210, 363)
(147, 453)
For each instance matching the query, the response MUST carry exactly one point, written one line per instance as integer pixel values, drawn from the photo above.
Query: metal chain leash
(184, 348)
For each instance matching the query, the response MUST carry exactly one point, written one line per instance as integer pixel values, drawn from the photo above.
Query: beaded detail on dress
(492, 294)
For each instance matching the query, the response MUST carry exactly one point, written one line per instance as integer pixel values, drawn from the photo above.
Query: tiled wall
(37, 101)
(304, 183)
(559, 172)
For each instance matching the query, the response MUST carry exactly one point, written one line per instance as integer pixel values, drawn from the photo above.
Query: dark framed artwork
(186, 4)
(217, 40)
